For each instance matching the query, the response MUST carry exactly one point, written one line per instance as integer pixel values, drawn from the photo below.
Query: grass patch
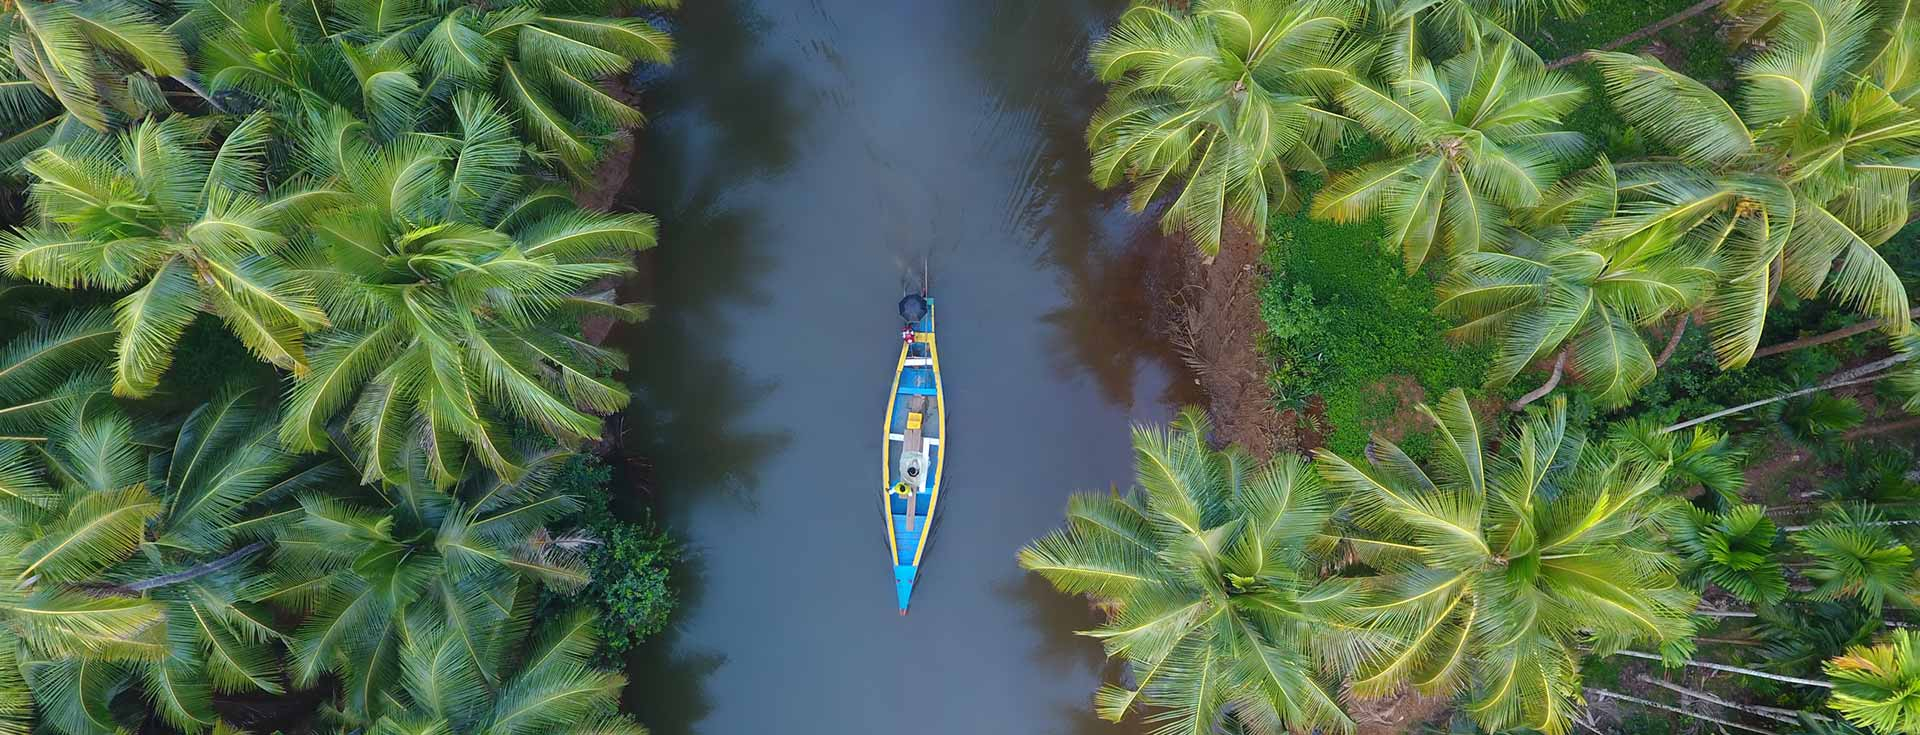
(1344, 320)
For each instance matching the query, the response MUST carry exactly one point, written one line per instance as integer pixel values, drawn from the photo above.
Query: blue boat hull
(910, 462)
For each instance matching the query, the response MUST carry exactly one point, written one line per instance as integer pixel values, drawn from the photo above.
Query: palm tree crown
(1733, 550)
(1213, 594)
(367, 572)
(1491, 571)
(135, 568)
(1582, 297)
(1217, 104)
(189, 227)
(1878, 687)
(1855, 555)
(453, 292)
(1797, 186)
(1471, 140)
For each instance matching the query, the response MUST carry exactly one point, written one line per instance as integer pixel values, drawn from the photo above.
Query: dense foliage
(630, 566)
(1490, 572)
(1628, 230)
(381, 529)
(1346, 324)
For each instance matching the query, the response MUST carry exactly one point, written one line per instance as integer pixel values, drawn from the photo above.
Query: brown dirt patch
(1405, 393)
(1212, 317)
(1397, 714)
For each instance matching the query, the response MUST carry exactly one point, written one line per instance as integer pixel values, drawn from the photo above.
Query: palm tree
(1701, 458)
(1409, 31)
(1733, 550)
(1490, 572)
(1470, 140)
(189, 227)
(140, 562)
(453, 294)
(56, 639)
(1211, 585)
(1874, 687)
(1854, 555)
(549, 685)
(1216, 105)
(1797, 186)
(366, 571)
(398, 63)
(71, 51)
(48, 365)
(1581, 301)
(29, 118)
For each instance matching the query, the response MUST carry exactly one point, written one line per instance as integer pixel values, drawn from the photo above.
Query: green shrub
(1343, 319)
(632, 565)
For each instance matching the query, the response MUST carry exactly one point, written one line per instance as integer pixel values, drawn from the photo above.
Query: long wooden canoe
(915, 431)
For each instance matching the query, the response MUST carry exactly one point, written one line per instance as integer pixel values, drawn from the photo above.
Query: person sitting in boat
(906, 334)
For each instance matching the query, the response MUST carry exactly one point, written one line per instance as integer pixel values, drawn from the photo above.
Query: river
(806, 158)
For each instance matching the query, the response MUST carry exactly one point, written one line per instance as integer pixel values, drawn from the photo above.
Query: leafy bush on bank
(631, 562)
(1343, 319)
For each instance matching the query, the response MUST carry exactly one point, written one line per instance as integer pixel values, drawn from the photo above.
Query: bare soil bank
(1210, 313)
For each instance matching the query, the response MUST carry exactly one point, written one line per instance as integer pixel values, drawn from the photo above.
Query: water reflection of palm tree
(1103, 253)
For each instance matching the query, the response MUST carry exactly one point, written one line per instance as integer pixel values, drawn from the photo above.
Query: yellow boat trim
(940, 467)
(886, 459)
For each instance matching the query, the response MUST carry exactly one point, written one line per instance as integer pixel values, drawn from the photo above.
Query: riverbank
(1209, 312)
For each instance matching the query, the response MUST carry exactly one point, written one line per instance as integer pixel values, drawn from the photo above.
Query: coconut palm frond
(1210, 109)
(1681, 113)
(1207, 556)
(1504, 546)
(1872, 684)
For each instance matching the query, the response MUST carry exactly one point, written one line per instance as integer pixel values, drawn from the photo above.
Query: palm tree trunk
(1868, 524)
(189, 80)
(1559, 368)
(196, 571)
(1820, 339)
(1736, 670)
(1901, 425)
(1673, 343)
(1864, 374)
(1604, 694)
(1645, 32)
(1771, 713)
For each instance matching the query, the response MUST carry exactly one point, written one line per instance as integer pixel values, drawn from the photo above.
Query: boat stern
(903, 583)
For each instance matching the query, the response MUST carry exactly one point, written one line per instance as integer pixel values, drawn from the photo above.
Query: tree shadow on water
(666, 687)
(689, 395)
(1058, 618)
(1108, 258)
(724, 96)
(723, 115)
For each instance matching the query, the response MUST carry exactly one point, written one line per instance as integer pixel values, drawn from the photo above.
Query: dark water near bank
(805, 158)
